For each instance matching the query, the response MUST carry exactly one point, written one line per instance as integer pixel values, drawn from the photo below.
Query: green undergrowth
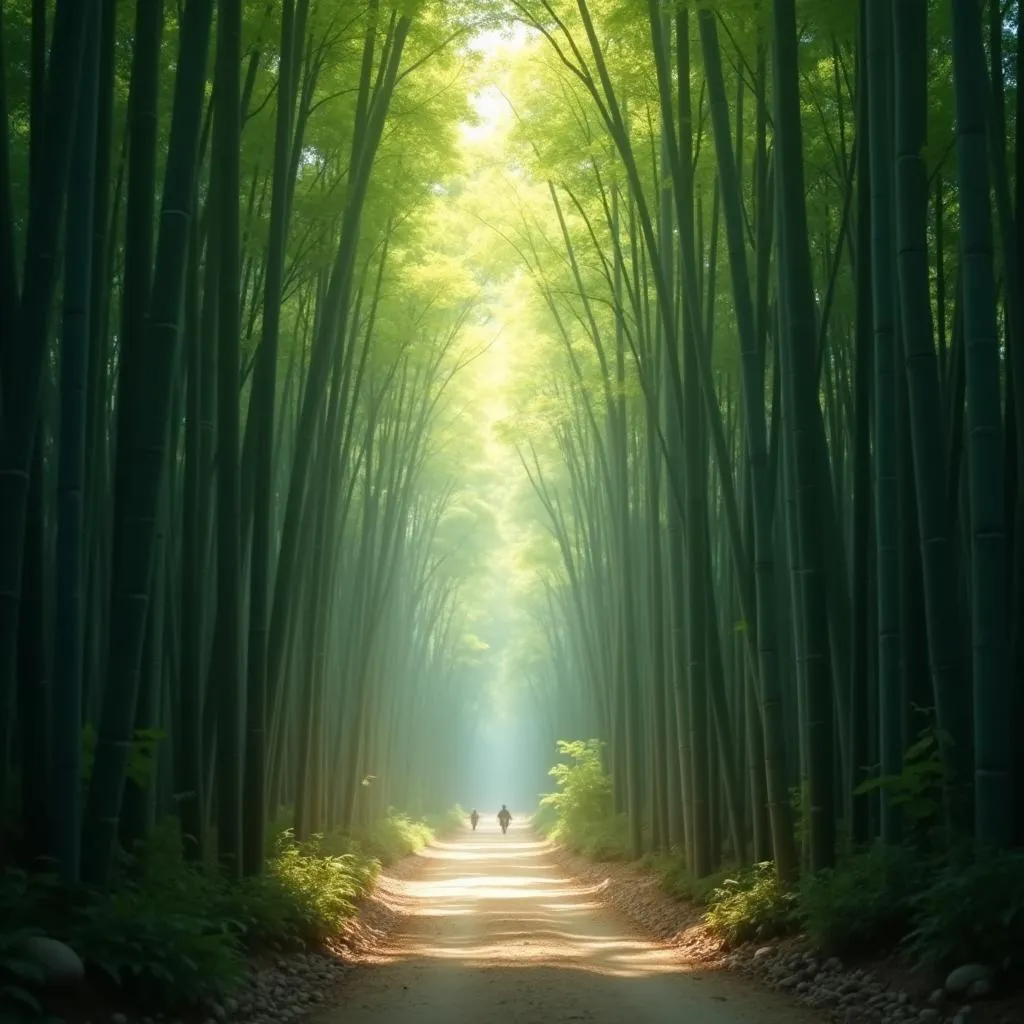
(930, 903)
(681, 884)
(579, 814)
(168, 932)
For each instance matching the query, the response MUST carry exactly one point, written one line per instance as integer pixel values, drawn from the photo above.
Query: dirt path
(491, 929)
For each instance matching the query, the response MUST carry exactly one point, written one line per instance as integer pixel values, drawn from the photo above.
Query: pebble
(963, 978)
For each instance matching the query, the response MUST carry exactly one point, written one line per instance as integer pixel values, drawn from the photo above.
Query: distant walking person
(473, 818)
(504, 818)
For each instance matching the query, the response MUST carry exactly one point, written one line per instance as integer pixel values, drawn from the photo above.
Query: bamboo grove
(760, 509)
(223, 380)
(778, 449)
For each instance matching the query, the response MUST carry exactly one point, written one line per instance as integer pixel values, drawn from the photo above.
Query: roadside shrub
(862, 903)
(679, 883)
(168, 932)
(445, 824)
(302, 898)
(752, 905)
(160, 950)
(606, 839)
(545, 819)
(583, 804)
(391, 838)
(973, 911)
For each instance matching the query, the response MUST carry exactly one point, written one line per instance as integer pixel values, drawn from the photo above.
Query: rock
(118, 1018)
(764, 952)
(979, 989)
(962, 978)
(62, 967)
(937, 996)
(927, 1014)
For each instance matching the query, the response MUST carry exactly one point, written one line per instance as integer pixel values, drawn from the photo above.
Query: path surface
(493, 930)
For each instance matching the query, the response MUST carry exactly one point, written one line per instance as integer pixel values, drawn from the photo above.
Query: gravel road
(491, 929)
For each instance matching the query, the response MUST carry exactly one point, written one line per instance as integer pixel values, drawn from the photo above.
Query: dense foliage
(166, 933)
(770, 253)
(934, 909)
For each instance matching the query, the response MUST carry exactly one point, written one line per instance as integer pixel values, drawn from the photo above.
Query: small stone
(930, 1013)
(962, 978)
(61, 965)
(979, 988)
(118, 1018)
(937, 996)
(764, 952)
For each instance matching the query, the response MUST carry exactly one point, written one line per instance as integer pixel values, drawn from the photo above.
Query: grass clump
(445, 824)
(303, 897)
(680, 883)
(390, 839)
(752, 905)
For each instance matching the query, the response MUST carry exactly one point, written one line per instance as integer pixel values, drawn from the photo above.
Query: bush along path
(928, 929)
(171, 941)
(860, 989)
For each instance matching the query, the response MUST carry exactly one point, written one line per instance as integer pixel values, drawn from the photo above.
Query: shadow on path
(491, 928)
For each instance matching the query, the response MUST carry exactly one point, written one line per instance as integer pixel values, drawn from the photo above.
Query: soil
(493, 924)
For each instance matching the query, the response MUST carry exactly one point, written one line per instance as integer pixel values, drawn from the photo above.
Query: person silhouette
(504, 818)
